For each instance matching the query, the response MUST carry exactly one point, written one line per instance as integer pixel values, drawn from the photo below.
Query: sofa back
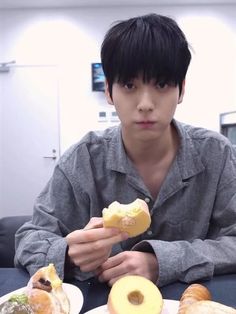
(8, 228)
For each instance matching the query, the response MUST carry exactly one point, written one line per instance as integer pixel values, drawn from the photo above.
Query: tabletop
(222, 288)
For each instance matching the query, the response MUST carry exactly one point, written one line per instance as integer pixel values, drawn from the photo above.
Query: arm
(59, 232)
(39, 241)
(203, 257)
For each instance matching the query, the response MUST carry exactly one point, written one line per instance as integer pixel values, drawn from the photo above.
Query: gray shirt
(193, 229)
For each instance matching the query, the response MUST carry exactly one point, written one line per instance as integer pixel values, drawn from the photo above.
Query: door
(29, 135)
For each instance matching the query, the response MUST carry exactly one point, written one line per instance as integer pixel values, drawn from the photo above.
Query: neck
(152, 151)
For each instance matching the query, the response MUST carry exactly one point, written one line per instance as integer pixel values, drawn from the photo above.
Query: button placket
(149, 232)
(147, 199)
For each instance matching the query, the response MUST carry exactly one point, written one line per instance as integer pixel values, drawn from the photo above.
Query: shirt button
(147, 199)
(149, 232)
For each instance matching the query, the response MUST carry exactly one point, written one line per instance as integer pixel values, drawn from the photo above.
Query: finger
(115, 271)
(111, 274)
(105, 235)
(95, 222)
(100, 246)
(111, 240)
(113, 280)
(112, 261)
(95, 249)
(90, 235)
(85, 254)
(92, 265)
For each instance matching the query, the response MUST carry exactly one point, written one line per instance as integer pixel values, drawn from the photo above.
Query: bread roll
(133, 218)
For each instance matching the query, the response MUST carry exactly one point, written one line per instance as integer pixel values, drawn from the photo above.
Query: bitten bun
(209, 307)
(133, 218)
(134, 294)
(45, 293)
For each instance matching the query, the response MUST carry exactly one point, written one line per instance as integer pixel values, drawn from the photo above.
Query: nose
(146, 102)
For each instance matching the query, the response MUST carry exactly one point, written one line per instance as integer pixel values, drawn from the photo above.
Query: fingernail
(125, 235)
(115, 231)
(100, 279)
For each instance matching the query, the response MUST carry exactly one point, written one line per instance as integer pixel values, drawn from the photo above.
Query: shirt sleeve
(42, 240)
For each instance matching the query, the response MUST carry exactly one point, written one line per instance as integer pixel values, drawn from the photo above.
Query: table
(223, 288)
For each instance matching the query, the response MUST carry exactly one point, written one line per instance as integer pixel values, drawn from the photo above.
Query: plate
(74, 294)
(169, 307)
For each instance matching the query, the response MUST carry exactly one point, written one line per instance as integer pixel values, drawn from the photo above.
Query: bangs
(152, 50)
(148, 56)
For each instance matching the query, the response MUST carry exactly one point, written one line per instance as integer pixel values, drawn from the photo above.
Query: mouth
(146, 124)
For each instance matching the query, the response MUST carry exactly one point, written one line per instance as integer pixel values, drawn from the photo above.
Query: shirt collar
(188, 160)
(117, 159)
(188, 157)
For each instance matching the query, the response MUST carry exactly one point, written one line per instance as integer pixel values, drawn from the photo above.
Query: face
(145, 109)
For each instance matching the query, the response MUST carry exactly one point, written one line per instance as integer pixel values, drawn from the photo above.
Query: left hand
(128, 263)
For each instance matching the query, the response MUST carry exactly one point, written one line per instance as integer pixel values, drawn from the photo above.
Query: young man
(186, 175)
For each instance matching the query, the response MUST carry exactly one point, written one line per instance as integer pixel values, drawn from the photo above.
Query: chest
(153, 177)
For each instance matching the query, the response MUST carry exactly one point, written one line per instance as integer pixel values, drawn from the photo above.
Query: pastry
(133, 218)
(16, 304)
(194, 292)
(134, 295)
(45, 293)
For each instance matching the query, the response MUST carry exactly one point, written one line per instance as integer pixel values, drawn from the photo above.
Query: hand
(88, 248)
(128, 263)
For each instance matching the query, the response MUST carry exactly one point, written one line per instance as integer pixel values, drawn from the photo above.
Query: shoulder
(201, 136)
(94, 142)
(209, 146)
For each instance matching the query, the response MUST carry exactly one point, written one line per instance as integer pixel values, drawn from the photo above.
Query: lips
(145, 123)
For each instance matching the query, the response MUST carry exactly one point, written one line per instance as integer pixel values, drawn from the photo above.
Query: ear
(107, 93)
(181, 96)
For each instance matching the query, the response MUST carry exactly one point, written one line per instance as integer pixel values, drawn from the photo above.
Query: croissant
(195, 292)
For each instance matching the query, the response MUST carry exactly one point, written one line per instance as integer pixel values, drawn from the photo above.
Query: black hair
(150, 45)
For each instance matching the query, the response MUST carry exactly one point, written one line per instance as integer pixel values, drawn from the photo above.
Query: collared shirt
(193, 228)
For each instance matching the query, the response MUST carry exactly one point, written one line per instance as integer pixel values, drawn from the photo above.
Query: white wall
(71, 39)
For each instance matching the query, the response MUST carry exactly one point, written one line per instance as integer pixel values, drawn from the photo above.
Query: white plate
(74, 294)
(170, 307)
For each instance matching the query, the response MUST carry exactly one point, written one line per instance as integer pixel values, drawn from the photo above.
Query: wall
(71, 39)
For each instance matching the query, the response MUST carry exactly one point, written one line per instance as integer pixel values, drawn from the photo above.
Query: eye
(162, 85)
(129, 85)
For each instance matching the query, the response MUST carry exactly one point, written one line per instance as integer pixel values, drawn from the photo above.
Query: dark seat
(8, 228)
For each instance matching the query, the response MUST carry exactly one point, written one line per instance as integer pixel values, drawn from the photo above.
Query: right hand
(90, 247)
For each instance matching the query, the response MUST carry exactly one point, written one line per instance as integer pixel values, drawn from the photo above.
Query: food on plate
(133, 218)
(209, 307)
(134, 295)
(195, 292)
(196, 299)
(44, 294)
(17, 304)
